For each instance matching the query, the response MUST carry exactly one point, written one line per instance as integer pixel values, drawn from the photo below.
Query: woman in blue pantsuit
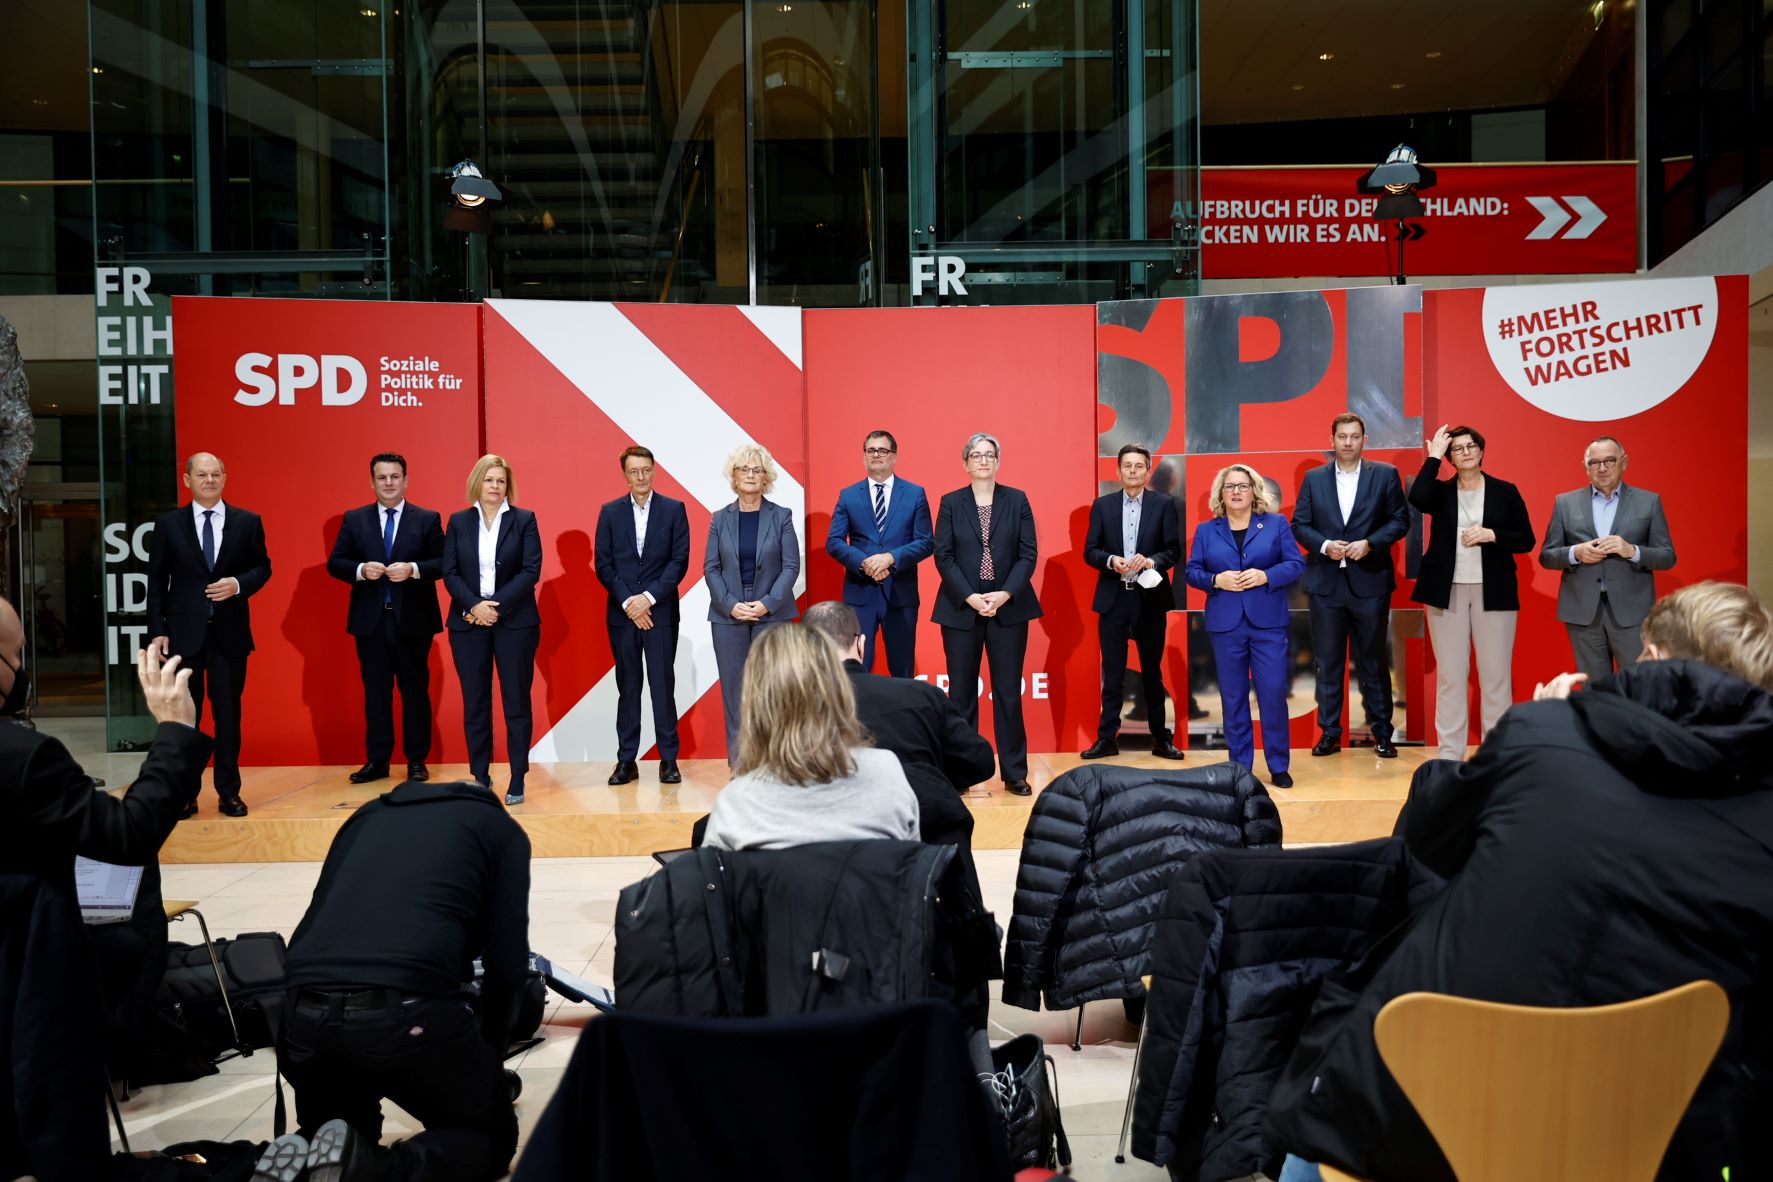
(1245, 558)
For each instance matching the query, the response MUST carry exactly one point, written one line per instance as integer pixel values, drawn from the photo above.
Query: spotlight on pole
(1397, 182)
(471, 199)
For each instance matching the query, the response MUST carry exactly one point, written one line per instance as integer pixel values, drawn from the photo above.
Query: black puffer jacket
(1243, 940)
(1097, 857)
(731, 933)
(1599, 849)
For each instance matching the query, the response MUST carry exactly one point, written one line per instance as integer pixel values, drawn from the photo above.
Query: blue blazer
(625, 573)
(1381, 516)
(906, 537)
(517, 566)
(778, 563)
(1268, 546)
(419, 540)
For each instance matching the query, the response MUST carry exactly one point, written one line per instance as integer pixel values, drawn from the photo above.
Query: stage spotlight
(1398, 180)
(471, 198)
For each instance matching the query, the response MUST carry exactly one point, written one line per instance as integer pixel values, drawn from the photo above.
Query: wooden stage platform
(571, 812)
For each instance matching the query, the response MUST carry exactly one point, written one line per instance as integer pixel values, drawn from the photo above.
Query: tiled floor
(571, 900)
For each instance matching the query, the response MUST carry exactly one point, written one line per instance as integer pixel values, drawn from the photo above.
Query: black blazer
(1160, 539)
(659, 571)
(517, 567)
(1381, 516)
(959, 549)
(177, 607)
(418, 540)
(1504, 511)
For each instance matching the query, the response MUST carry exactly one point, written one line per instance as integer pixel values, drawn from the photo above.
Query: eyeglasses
(981, 455)
(1462, 448)
(1608, 462)
(1236, 488)
(639, 472)
(751, 471)
(877, 452)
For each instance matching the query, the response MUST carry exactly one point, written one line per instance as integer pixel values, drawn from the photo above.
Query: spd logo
(340, 378)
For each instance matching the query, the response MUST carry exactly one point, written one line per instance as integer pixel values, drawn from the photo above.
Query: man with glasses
(880, 531)
(642, 555)
(1606, 540)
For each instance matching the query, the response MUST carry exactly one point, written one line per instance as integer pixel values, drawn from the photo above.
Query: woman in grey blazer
(753, 558)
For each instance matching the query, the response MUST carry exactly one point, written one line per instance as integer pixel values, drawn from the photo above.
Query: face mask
(19, 694)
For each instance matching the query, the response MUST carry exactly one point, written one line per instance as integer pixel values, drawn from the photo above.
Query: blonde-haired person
(805, 772)
(1601, 846)
(1244, 557)
(492, 559)
(750, 564)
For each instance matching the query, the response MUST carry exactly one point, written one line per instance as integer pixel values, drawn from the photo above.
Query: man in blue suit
(1349, 514)
(642, 555)
(391, 553)
(1133, 530)
(880, 531)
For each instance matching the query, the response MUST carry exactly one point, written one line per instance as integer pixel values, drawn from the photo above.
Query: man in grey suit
(1606, 540)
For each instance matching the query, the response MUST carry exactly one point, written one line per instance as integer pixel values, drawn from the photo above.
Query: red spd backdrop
(932, 378)
(295, 396)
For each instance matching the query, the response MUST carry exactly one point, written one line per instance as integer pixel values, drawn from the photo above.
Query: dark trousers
(1241, 655)
(1003, 646)
(388, 659)
(655, 649)
(220, 679)
(898, 623)
(1342, 624)
(477, 651)
(423, 1053)
(1141, 617)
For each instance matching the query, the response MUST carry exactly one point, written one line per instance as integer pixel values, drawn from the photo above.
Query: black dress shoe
(481, 778)
(1017, 788)
(368, 772)
(626, 772)
(1281, 780)
(1165, 748)
(233, 806)
(668, 773)
(1101, 749)
(417, 771)
(1383, 749)
(190, 811)
(1327, 745)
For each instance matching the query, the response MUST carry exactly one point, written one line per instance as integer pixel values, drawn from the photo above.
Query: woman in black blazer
(492, 559)
(985, 552)
(1468, 581)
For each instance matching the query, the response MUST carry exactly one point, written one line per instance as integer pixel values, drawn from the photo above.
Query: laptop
(106, 892)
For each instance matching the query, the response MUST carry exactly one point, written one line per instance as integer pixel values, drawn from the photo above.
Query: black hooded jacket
(1101, 846)
(1600, 849)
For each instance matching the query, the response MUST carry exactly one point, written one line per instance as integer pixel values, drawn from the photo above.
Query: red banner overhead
(1481, 219)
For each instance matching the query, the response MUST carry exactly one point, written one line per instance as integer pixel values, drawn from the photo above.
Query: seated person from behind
(417, 883)
(804, 771)
(1601, 846)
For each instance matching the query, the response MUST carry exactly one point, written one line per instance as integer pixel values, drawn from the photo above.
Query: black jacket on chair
(1101, 846)
(1504, 511)
(517, 566)
(877, 1095)
(177, 575)
(1242, 943)
(1598, 850)
(959, 549)
(735, 933)
(419, 540)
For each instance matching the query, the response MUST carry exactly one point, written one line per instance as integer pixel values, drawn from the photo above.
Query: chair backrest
(1522, 1093)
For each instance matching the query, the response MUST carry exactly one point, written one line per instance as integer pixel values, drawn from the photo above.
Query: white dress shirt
(217, 523)
(1347, 484)
(641, 514)
(489, 548)
(886, 493)
(382, 531)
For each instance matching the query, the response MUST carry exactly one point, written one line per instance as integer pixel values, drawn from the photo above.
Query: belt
(362, 999)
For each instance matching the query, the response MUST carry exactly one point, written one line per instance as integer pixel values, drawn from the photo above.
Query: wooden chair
(1529, 1093)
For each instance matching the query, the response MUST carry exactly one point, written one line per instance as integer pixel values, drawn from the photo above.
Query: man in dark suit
(1349, 514)
(642, 555)
(1606, 540)
(1132, 531)
(206, 559)
(880, 531)
(391, 553)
